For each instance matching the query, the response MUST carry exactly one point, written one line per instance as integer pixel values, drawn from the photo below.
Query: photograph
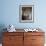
(26, 13)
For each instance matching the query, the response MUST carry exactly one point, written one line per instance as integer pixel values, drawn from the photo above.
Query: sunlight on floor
(44, 44)
(0, 44)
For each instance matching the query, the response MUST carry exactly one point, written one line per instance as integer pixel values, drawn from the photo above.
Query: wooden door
(27, 39)
(34, 39)
(37, 40)
(13, 40)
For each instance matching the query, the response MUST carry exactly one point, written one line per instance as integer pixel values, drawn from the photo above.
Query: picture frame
(26, 13)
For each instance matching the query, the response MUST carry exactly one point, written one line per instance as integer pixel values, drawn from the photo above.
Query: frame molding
(21, 7)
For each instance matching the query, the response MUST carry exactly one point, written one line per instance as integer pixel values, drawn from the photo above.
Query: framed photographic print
(26, 13)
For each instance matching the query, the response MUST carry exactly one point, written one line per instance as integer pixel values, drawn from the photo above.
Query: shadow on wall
(2, 26)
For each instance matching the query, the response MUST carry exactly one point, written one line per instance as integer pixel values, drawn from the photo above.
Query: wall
(9, 13)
